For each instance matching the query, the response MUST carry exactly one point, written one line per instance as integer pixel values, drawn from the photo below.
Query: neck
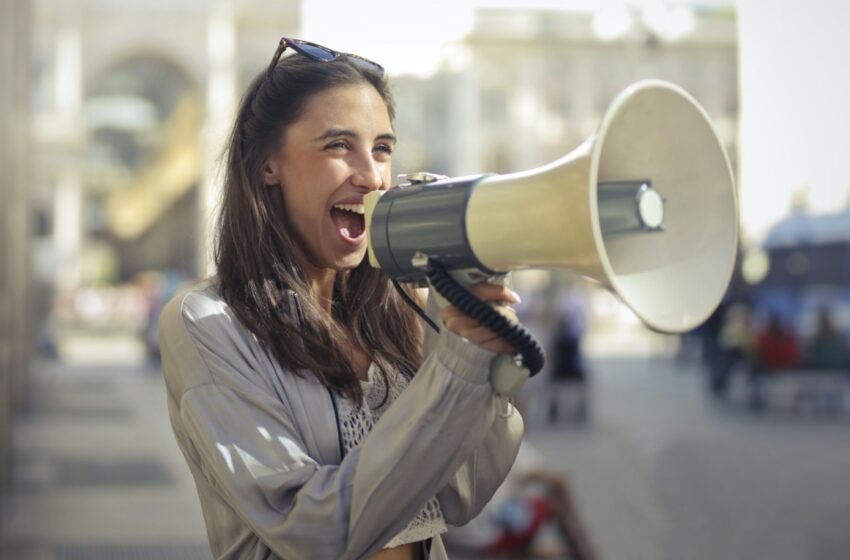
(322, 287)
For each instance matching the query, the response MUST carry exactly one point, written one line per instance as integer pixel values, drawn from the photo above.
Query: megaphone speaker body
(564, 215)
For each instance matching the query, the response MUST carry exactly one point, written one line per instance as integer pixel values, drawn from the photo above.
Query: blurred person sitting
(531, 500)
(826, 351)
(776, 348)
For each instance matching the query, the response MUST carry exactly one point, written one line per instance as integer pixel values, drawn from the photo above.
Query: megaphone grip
(525, 343)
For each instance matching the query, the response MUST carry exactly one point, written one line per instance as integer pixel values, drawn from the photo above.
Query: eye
(337, 145)
(384, 149)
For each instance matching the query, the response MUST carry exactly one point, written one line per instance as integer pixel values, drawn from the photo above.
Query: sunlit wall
(15, 292)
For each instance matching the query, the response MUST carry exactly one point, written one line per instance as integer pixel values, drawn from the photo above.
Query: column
(221, 110)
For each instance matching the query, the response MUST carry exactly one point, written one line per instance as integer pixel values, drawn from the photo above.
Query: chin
(350, 262)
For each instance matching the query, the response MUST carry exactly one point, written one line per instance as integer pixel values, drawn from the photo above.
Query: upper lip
(349, 200)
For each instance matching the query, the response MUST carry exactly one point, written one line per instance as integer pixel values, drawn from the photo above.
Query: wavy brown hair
(261, 265)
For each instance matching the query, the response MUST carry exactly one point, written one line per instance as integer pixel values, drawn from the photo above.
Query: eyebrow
(336, 132)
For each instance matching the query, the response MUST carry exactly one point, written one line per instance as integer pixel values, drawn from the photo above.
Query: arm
(249, 447)
(475, 482)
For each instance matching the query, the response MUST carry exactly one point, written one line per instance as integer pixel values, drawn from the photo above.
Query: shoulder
(200, 311)
(202, 341)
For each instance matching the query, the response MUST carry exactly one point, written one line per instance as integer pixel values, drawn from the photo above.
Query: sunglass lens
(366, 64)
(316, 52)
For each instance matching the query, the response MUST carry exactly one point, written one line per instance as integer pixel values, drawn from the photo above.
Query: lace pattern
(356, 423)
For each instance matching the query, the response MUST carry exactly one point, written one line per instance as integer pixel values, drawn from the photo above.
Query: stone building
(131, 103)
(525, 87)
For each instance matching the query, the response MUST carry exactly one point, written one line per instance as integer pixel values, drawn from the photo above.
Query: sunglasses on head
(319, 53)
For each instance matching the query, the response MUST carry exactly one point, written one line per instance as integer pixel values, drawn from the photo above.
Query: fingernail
(516, 297)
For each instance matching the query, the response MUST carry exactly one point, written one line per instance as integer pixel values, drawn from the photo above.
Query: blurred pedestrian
(825, 351)
(776, 349)
(827, 348)
(568, 395)
(735, 346)
(709, 335)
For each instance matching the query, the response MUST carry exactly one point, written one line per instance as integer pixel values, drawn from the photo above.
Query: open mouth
(349, 220)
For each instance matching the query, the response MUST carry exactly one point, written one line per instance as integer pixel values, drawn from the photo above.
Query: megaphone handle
(507, 373)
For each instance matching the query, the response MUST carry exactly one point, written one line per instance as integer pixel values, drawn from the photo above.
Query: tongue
(349, 224)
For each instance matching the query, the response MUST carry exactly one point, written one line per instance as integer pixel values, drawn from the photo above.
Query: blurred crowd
(762, 344)
(131, 307)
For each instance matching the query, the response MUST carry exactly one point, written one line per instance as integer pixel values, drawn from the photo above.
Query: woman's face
(339, 150)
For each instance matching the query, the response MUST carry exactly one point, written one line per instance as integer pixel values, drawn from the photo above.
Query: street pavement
(663, 472)
(660, 471)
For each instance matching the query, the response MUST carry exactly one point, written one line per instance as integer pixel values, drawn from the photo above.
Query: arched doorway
(142, 168)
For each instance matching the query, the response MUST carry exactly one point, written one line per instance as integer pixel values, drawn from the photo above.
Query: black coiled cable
(532, 353)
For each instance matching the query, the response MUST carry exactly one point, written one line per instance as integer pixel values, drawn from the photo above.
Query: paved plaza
(660, 471)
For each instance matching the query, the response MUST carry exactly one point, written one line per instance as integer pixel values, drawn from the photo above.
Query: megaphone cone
(646, 207)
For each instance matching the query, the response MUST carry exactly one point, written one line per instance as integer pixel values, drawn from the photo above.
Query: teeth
(356, 208)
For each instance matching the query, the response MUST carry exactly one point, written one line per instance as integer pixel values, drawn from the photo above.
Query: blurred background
(727, 442)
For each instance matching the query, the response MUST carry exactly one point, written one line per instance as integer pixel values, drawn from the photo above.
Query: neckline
(370, 371)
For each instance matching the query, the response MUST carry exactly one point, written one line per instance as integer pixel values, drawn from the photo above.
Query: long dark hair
(261, 265)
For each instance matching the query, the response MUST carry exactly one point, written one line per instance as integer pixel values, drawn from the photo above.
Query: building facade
(525, 87)
(113, 115)
(132, 101)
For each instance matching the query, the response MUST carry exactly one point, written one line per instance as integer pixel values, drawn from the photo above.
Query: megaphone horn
(646, 207)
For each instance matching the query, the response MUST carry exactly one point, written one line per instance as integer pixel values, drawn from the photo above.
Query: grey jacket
(263, 446)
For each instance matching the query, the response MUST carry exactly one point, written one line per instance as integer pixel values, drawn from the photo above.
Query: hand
(467, 327)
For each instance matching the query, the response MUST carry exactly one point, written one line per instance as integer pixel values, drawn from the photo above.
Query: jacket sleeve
(249, 448)
(478, 478)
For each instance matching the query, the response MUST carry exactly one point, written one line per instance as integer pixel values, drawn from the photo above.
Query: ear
(270, 177)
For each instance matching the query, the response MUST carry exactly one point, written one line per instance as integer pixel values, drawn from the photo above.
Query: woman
(315, 419)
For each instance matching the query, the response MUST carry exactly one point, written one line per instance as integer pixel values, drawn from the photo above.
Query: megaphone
(646, 207)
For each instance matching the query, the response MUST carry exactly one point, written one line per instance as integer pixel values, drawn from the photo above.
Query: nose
(368, 174)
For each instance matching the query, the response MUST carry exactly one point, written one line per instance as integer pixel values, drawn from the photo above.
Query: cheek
(306, 204)
(387, 176)
(302, 209)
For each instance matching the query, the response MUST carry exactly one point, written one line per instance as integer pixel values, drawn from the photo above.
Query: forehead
(357, 107)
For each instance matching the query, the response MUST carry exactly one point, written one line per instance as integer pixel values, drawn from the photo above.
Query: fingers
(455, 319)
(494, 293)
(463, 325)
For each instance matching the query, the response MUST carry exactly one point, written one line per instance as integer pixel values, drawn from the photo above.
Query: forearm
(475, 482)
(423, 439)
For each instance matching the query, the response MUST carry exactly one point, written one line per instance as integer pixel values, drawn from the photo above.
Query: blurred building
(131, 107)
(802, 268)
(527, 86)
(131, 101)
(113, 114)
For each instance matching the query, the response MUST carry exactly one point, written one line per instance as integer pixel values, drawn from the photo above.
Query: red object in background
(777, 349)
(536, 512)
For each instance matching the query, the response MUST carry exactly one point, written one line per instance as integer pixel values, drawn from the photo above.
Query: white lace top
(355, 423)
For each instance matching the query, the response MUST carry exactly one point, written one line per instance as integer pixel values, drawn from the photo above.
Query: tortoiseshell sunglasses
(319, 53)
